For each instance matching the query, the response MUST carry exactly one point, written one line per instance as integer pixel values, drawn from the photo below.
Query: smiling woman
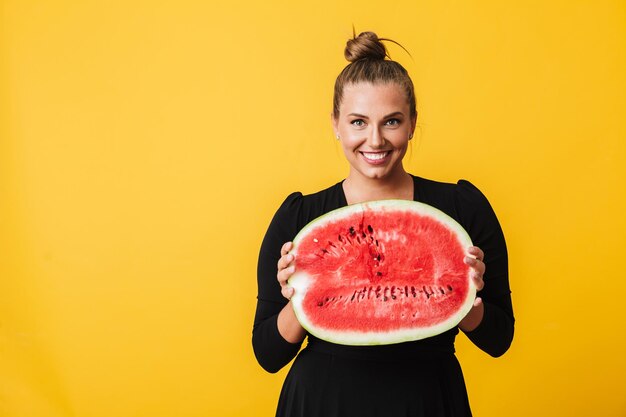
(374, 116)
(374, 125)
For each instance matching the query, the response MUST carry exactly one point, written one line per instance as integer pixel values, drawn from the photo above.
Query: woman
(374, 118)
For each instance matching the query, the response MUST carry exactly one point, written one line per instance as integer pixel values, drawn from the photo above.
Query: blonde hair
(367, 54)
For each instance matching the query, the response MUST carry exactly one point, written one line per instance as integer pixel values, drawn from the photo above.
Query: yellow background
(145, 145)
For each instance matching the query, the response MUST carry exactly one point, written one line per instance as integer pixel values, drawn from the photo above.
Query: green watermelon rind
(300, 281)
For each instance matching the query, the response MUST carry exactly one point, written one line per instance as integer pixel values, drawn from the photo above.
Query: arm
(276, 335)
(271, 349)
(493, 329)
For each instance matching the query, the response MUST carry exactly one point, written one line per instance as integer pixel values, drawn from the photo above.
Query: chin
(376, 174)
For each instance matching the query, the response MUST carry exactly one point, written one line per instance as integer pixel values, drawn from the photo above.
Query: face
(374, 125)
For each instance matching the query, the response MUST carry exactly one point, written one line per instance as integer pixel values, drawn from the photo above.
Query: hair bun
(365, 46)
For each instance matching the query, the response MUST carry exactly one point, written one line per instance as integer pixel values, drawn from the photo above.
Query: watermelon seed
(449, 288)
(363, 235)
(339, 238)
(352, 231)
(378, 273)
(385, 293)
(369, 228)
(442, 291)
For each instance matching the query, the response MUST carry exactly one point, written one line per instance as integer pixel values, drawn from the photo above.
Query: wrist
(473, 318)
(288, 325)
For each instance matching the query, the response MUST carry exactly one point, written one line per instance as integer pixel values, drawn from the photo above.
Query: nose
(376, 139)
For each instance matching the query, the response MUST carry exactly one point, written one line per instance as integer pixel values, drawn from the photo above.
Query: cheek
(400, 142)
(351, 140)
(348, 150)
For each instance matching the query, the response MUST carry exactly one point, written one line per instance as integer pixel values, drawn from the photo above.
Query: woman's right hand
(285, 269)
(288, 325)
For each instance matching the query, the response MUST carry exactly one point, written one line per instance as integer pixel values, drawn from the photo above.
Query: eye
(392, 122)
(358, 122)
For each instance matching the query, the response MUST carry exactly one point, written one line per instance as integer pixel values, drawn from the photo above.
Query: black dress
(421, 378)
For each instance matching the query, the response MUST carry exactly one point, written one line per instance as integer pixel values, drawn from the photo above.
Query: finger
(478, 282)
(284, 261)
(284, 274)
(478, 270)
(478, 301)
(476, 252)
(286, 248)
(475, 263)
(287, 292)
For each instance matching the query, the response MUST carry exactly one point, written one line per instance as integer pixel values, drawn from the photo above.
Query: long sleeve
(495, 332)
(462, 201)
(270, 348)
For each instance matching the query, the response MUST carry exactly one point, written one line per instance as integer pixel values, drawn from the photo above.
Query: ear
(335, 124)
(413, 124)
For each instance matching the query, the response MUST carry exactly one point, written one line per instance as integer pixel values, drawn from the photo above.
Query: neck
(359, 189)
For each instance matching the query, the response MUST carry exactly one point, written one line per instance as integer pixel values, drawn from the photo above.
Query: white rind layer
(300, 281)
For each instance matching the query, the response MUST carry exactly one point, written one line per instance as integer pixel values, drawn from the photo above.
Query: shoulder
(298, 209)
(449, 197)
(461, 186)
(319, 202)
(467, 192)
(462, 200)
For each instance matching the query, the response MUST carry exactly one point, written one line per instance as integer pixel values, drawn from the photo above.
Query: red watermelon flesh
(381, 272)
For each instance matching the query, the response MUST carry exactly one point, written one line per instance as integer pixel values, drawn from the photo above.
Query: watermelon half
(381, 272)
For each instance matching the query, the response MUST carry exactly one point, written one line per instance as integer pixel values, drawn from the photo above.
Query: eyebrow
(396, 113)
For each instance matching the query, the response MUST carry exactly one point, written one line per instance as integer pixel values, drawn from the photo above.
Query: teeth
(375, 156)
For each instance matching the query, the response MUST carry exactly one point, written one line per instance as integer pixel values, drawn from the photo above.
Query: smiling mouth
(375, 156)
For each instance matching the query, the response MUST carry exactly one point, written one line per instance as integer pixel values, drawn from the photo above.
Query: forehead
(373, 99)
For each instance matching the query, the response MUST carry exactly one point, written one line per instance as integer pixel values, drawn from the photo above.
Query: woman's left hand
(475, 259)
